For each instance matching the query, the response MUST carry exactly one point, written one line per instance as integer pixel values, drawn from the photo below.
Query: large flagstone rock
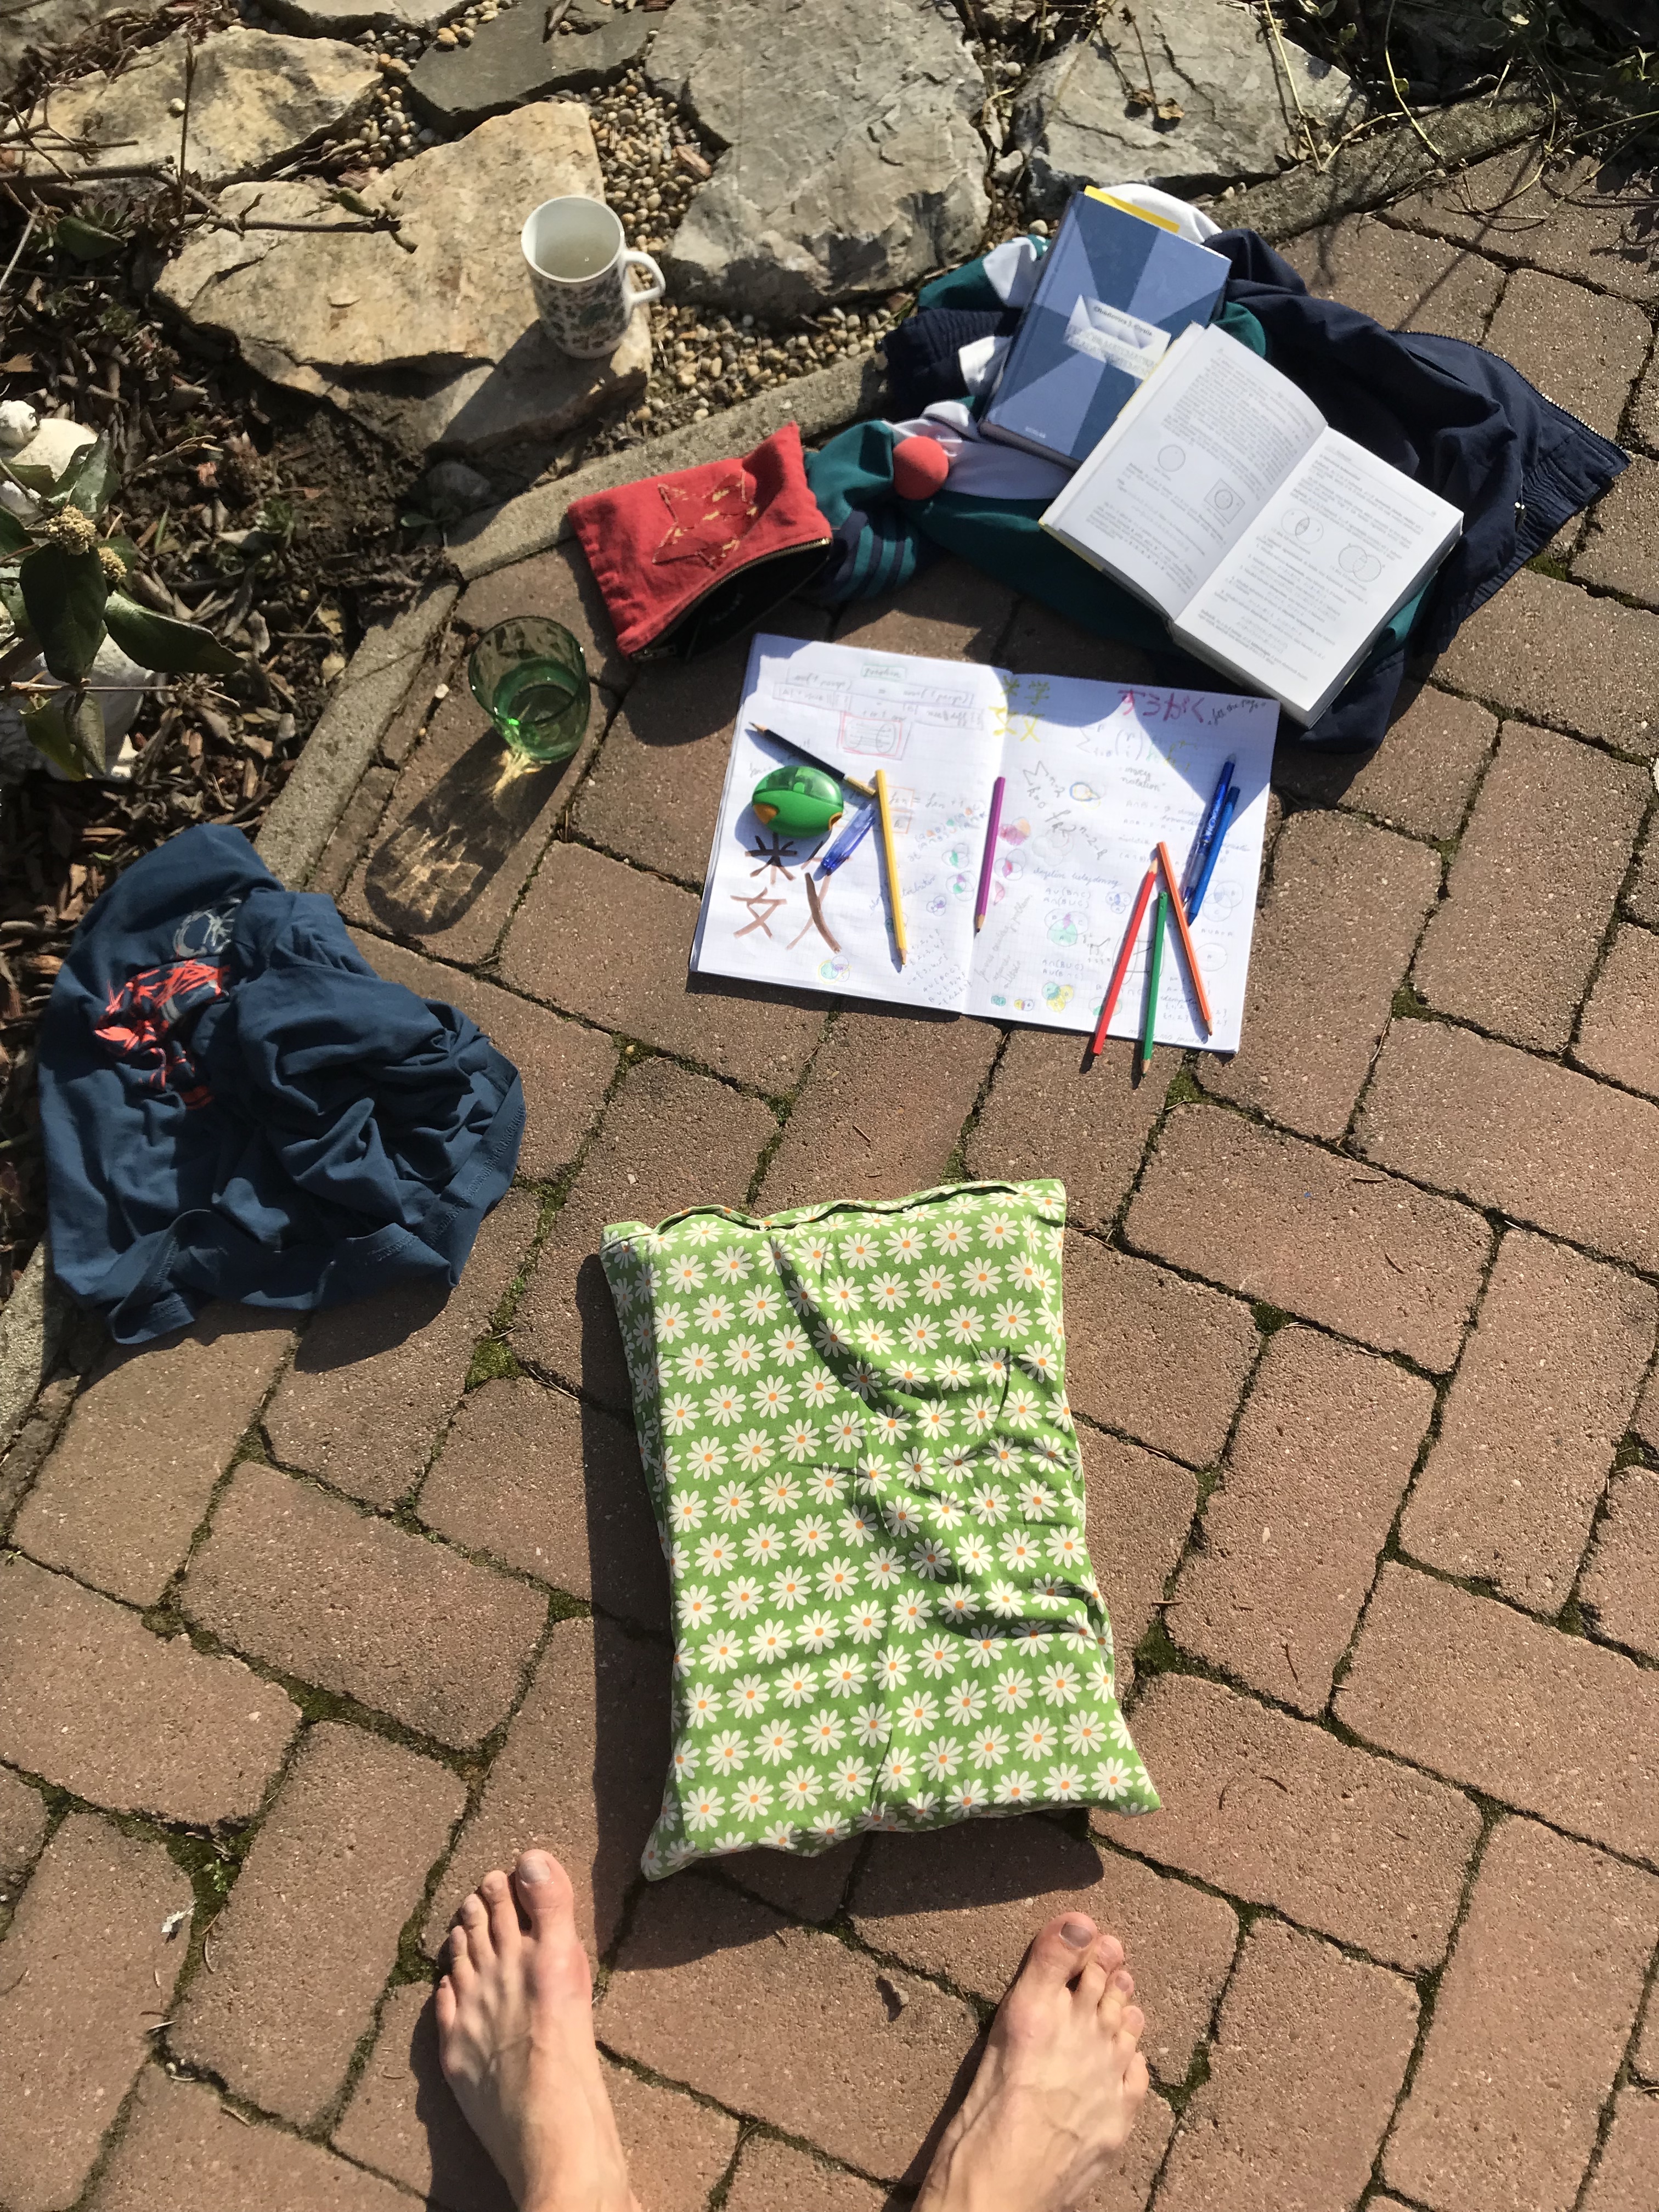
(512, 60)
(44, 23)
(1079, 122)
(342, 19)
(853, 163)
(256, 99)
(436, 347)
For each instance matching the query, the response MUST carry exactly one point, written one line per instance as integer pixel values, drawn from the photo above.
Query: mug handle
(654, 291)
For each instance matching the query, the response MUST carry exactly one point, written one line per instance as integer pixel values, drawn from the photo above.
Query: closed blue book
(1113, 292)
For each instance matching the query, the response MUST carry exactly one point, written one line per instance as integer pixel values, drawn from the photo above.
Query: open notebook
(1096, 774)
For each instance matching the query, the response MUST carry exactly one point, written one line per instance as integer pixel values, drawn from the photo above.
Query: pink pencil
(982, 899)
(1123, 958)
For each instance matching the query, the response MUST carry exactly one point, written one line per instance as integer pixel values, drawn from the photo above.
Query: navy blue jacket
(234, 1105)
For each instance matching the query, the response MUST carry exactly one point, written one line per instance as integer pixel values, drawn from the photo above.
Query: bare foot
(516, 2039)
(1059, 2086)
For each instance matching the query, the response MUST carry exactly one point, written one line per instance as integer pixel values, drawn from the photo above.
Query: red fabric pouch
(687, 561)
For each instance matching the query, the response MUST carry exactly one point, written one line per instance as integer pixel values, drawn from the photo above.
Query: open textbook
(1095, 773)
(1275, 548)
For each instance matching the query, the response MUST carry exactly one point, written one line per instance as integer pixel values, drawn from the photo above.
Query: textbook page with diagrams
(1275, 548)
(1096, 775)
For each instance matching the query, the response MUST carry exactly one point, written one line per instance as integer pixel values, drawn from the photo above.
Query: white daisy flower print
(943, 1757)
(795, 1685)
(753, 1450)
(858, 1250)
(890, 1425)
(1002, 1454)
(799, 1440)
(789, 1587)
(730, 1266)
(902, 1516)
(959, 1603)
(848, 1778)
(931, 1560)
(725, 1752)
(908, 1612)
(989, 1748)
(980, 1412)
(950, 1237)
(917, 1712)
(1084, 1732)
(771, 1641)
(1066, 1549)
(1038, 1738)
(826, 1486)
(775, 1741)
(994, 1367)
(801, 1788)
(872, 1472)
(811, 1533)
(671, 1322)
(862, 1379)
(965, 1325)
(858, 1526)
(1011, 1691)
(1020, 1406)
(1062, 1685)
(1011, 1320)
(845, 1677)
(701, 1808)
(777, 1836)
(845, 1430)
(837, 1578)
(1043, 1360)
(937, 1658)
(816, 1631)
(685, 1510)
(817, 1252)
(1113, 1778)
(953, 1372)
(817, 1389)
(934, 1420)
(743, 1355)
(686, 1272)
(997, 1231)
(1019, 1551)
(883, 1568)
(888, 1292)
(747, 1696)
(770, 1396)
(763, 1304)
(985, 1649)
(702, 1230)
(874, 1339)
(899, 1770)
(825, 1731)
(724, 1404)
(831, 1338)
(686, 1756)
(695, 1363)
(980, 1278)
(1004, 1599)
(722, 1651)
(827, 1828)
(842, 1295)
(716, 1312)
(964, 1703)
(865, 1622)
(750, 1801)
(696, 1607)
(973, 1554)
(1036, 1500)
(905, 1242)
(965, 1796)
(789, 1345)
(733, 1500)
(762, 1546)
(893, 1667)
(948, 1511)
(1016, 1788)
(919, 1333)
(779, 1490)
(701, 1705)
(933, 1285)
(908, 1373)
(742, 1596)
(915, 1463)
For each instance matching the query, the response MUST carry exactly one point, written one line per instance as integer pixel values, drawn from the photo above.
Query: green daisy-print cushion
(853, 1422)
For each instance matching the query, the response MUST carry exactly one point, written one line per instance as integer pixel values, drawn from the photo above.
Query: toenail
(531, 1869)
(1125, 1983)
(1079, 1934)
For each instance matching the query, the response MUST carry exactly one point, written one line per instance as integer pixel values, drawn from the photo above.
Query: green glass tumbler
(529, 676)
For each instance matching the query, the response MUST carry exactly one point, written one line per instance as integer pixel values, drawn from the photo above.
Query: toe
(472, 1926)
(497, 1894)
(1134, 2080)
(444, 2004)
(1119, 1989)
(1060, 1950)
(1130, 2030)
(544, 1891)
(1110, 1952)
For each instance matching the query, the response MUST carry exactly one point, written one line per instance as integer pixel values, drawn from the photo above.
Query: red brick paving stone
(1626, 2177)
(1408, 282)
(281, 2015)
(581, 1775)
(1550, 650)
(1041, 642)
(95, 1703)
(1527, 1432)
(717, 1990)
(1641, 899)
(805, 1888)
(668, 1139)
(771, 2175)
(1045, 1116)
(1128, 2189)
(1582, 349)
(23, 1824)
(1581, 221)
(1619, 1589)
(355, 827)
(403, 2121)
(119, 1499)
(459, 839)
(1644, 2059)
(1304, 2069)
(554, 1488)
(1619, 1032)
(611, 944)
(1145, 1351)
(566, 1068)
(1469, 1688)
(1419, 778)
(863, 1125)
(964, 1904)
(655, 789)
(949, 612)
(356, 1605)
(1282, 1813)
(1538, 1143)
(1616, 554)
(183, 2151)
(85, 1970)
(372, 1383)
(1530, 2021)
(1139, 1514)
(1313, 1234)
(1335, 935)
(1532, 888)
(1290, 1539)
(24, 1456)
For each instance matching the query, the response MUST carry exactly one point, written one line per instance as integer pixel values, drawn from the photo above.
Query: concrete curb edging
(31, 1329)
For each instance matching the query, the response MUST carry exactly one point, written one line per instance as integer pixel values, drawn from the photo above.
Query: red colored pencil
(1185, 935)
(1123, 958)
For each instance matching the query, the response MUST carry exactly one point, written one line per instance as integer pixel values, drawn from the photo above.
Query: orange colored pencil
(1184, 934)
(1122, 968)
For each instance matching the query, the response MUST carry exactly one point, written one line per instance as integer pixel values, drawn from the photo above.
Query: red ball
(920, 467)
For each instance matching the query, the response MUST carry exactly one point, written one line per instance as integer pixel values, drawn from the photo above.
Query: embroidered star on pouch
(708, 523)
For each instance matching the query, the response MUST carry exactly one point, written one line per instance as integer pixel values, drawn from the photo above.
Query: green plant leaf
(48, 732)
(86, 241)
(12, 536)
(157, 641)
(30, 476)
(125, 550)
(65, 593)
(88, 480)
(86, 723)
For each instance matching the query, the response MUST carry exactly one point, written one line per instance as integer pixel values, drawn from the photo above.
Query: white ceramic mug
(579, 271)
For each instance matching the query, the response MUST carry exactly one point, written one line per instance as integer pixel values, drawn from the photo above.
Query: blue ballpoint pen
(1206, 835)
(1228, 810)
(849, 841)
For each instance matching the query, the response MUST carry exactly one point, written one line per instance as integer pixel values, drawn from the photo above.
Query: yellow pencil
(891, 859)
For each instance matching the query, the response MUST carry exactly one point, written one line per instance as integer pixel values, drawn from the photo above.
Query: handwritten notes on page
(1096, 774)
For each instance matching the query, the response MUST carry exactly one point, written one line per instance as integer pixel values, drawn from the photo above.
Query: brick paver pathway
(308, 1629)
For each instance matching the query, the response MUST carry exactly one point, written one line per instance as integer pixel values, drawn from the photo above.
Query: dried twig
(184, 127)
(28, 232)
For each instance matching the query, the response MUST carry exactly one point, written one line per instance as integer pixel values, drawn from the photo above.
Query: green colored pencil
(1154, 972)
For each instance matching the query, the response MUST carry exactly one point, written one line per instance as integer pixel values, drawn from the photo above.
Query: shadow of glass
(431, 869)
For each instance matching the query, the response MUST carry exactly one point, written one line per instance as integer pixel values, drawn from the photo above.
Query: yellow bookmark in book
(1128, 207)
